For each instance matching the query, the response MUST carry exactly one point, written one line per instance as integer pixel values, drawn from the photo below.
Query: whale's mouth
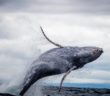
(101, 50)
(97, 52)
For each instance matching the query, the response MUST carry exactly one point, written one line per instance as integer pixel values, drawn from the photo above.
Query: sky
(67, 22)
(56, 6)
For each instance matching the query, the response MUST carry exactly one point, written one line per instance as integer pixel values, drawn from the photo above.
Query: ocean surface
(84, 85)
(74, 91)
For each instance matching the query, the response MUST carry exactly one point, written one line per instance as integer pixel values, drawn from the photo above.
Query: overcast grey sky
(56, 6)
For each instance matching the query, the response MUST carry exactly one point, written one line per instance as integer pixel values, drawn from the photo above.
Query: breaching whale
(59, 60)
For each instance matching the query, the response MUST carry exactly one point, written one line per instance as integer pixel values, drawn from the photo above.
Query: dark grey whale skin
(59, 60)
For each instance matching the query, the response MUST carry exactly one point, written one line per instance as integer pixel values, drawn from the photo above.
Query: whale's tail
(6, 94)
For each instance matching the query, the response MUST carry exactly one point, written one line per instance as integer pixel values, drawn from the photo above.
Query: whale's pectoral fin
(6, 94)
(58, 45)
(73, 68)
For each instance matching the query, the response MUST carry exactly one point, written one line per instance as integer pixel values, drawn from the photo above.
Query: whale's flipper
(58, 45)
(6, 94)
(73, 68)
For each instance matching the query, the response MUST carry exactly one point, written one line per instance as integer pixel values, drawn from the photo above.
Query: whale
(63, 59)
(58, 61)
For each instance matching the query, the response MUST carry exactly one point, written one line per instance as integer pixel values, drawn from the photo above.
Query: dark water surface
(75, 91)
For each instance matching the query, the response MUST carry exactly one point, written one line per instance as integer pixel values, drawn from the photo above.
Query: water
(85, 85)
(22, 42)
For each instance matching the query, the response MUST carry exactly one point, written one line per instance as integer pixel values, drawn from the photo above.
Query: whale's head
(85, 55)
(82, 56)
